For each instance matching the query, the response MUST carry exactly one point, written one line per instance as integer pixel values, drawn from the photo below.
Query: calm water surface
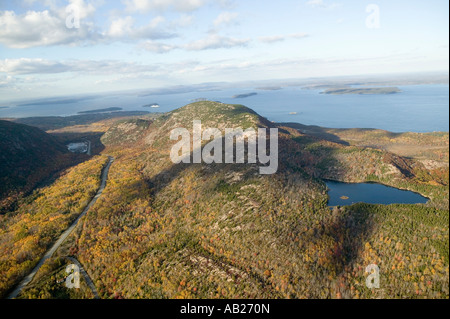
(370, 193)
(418, 108)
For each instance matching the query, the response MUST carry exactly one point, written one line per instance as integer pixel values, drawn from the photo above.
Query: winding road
(63, 237)
(86, 277)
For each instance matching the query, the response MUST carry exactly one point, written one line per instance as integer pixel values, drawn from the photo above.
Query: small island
(241, 96)
(270, 88)
(109, 109)
(153, 105)
(362, 91)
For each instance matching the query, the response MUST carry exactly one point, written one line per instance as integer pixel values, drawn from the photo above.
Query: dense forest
(27, 232)
(162, 230)
(28, 157)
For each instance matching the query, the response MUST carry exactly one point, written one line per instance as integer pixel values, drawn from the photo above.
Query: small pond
(81, 147)
(341, 194)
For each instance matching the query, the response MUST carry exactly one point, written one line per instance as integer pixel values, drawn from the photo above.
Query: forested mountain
(27, 156)
(165, 230)
(55, 122)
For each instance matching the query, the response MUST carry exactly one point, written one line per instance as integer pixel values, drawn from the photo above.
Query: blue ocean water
(418, 108)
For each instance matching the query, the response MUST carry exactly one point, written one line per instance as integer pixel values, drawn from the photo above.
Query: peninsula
(109, 109)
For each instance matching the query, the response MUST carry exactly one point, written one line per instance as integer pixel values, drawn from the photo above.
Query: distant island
(109, 109)
(241, 96)
(154, 105)
(375, 90)
(270, 88)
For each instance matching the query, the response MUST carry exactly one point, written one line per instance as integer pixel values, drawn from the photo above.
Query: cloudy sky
(56, 47)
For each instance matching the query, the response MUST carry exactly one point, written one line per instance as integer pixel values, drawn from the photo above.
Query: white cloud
(215, 41)
(226, 4)
(226, 18)
(272, 39)
(47, 3)
(322, 4)
(279, 38)
(212, 41)
(157, 47)
(300, 35)
(31, 66)
(315, 3)
(184, 21)
(125, 29)
(47, 27)
(108, 67)
(129, 74)
(83, 9)
(163, 5)
(121, 26)
(6, 81)
(39, 28)
(26, 66)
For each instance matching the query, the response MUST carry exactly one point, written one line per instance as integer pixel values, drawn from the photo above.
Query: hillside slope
(27, 155)
(164, 230)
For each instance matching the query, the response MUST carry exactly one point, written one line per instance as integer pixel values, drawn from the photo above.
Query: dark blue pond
(341, 194)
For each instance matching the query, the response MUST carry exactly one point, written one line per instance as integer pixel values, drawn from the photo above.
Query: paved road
(86, 277)
(64, 235)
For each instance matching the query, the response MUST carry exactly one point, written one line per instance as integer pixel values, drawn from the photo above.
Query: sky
(55, 47)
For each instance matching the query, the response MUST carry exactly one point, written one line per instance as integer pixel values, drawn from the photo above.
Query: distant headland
(373, 90)
(109, 109)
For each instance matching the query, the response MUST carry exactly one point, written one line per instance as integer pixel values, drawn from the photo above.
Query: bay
(418, 108)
